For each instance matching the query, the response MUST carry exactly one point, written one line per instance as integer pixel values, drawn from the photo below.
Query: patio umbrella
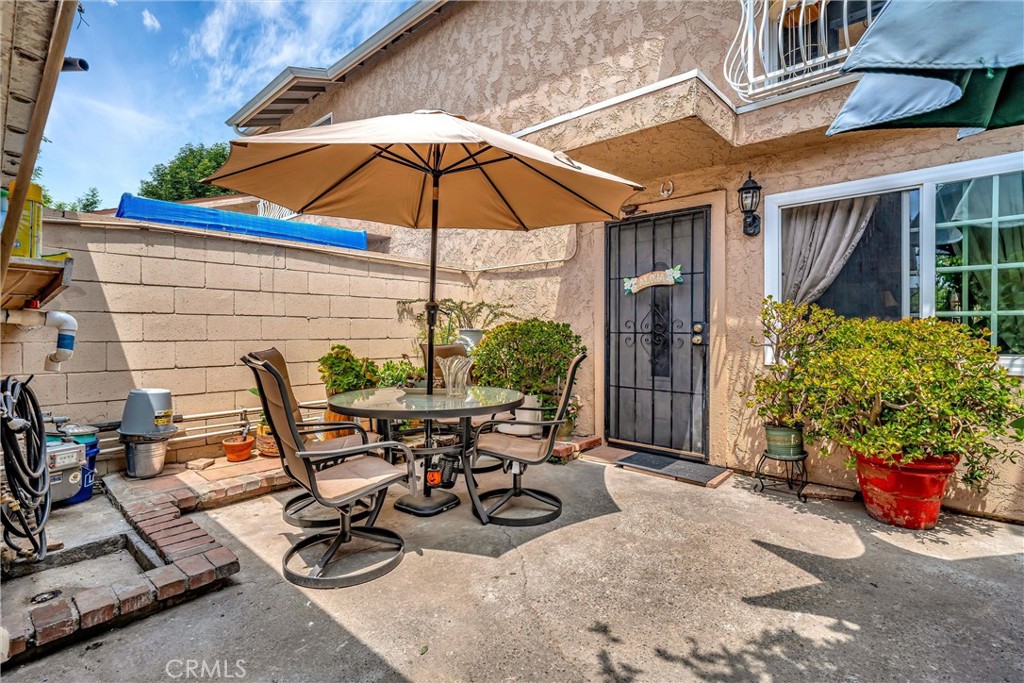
(427, 169)
(938, 64)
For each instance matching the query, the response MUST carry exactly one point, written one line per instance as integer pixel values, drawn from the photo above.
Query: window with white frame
(323, 121)
(945, 241)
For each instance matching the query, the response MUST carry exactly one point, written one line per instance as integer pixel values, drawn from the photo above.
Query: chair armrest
(521, 423)
(320, 426)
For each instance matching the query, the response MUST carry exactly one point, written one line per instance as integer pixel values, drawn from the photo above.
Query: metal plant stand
(796, 473)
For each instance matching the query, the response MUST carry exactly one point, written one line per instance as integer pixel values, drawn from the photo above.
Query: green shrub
(341, 371)
(531, 356)
(792, 332)
(906, 390)
(400, 373)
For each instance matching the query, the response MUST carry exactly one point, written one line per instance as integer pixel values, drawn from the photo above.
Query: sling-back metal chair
(302, 510)
(517, 454)
(337, 478)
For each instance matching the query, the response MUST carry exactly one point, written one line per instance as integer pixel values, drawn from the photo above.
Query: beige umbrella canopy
(427, 169)
(383, 170)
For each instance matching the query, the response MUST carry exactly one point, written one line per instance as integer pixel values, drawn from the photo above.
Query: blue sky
(163, 73)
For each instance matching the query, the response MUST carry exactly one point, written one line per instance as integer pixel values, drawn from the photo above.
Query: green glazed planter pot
(785, 442)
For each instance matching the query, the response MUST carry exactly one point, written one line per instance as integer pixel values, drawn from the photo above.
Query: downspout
(66, 326)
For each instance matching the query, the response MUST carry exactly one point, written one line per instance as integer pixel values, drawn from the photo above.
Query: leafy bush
(400, 373)
(531, 356)
(907, 390)
(792, 331)
(341, 371)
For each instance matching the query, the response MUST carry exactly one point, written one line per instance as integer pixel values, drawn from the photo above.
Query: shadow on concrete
(580, 485)
(894, 614)
(951, 523)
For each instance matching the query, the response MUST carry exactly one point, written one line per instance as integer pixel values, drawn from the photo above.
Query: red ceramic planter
(909, 495)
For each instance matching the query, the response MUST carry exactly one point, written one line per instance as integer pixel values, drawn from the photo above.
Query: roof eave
(354, 59)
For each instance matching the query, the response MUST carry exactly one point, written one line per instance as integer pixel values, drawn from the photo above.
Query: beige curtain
(817, 241)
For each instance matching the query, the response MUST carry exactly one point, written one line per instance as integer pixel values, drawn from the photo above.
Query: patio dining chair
(300, 510)
(337, 478)
(517, 454)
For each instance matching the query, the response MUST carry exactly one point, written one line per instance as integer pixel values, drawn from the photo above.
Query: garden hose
(26, 491)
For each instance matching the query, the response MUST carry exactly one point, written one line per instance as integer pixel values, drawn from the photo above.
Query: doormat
(688, 471)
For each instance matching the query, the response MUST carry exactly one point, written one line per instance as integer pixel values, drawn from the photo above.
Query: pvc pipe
(66, 326)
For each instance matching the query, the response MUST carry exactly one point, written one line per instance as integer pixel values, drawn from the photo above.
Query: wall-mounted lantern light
(750, 199)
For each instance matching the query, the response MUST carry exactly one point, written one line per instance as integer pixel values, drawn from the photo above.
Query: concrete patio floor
(642, 579)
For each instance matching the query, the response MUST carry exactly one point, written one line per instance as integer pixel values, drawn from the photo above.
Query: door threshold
(696, 473)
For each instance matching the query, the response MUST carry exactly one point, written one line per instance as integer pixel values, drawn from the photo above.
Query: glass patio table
(388, 404)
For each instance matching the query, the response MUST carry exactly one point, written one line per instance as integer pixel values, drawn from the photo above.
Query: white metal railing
(782, 45)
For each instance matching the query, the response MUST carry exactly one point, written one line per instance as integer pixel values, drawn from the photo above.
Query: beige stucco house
(688, 98)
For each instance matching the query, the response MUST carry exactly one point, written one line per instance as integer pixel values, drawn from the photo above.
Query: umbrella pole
(432, 295)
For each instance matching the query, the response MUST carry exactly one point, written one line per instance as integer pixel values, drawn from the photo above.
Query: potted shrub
(791, 332)
(572, 413)
(911, 400)
(342, 371)
(400, 373)
(531, 356)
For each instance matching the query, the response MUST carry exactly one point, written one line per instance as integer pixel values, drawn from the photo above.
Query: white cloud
(239, 46)
(112, 3)
(149, 21)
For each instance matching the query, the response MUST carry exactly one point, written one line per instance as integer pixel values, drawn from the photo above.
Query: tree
(88, 202)
(180, 177)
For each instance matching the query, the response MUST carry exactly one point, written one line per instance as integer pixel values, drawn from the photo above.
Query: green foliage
(906, 390)
(453, 315)
(792, 332)
(180, 177)
(400, 373)
(87, 203)
(341, 371)
(531, 355)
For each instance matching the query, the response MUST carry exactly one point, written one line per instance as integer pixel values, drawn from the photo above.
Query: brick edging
(195, 563)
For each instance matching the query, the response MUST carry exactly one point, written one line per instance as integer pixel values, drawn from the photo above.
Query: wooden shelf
(30, 279)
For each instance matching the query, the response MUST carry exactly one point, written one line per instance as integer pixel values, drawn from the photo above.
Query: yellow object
(59, 256)
(28, 241)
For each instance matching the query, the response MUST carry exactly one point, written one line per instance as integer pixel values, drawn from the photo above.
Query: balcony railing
(783, 45)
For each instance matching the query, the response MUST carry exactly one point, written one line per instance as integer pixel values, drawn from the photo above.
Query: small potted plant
(791, 332)
(531, 356)
(342, 371)
(572, 414)
(400, 373)
(265, 443)
(911, 400)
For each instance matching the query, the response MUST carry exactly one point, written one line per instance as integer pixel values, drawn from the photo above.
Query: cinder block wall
(177, 311)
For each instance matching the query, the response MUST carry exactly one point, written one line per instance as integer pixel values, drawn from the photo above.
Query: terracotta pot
(238, 449)
(908, 495)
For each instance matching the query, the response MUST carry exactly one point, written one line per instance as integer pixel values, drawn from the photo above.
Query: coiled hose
(26, 496)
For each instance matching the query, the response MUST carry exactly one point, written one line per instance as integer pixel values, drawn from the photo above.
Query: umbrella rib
(501, 196)
(264, 163)
(567, 189)
(388, 155)
(479, 164)
(419, 204)
(475, 154)
(346, 177)
(417, 154)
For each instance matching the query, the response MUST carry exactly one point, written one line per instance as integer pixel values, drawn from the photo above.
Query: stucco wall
(513, 64)
(177, 311)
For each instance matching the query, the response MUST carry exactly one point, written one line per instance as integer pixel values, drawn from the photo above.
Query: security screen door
(657, 333)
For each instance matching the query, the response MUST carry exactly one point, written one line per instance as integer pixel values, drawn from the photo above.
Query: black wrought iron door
(657, 337)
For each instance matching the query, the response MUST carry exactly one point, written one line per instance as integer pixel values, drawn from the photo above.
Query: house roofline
(405, 23)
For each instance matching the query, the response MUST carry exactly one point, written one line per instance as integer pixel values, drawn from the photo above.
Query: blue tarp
(186, 215)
